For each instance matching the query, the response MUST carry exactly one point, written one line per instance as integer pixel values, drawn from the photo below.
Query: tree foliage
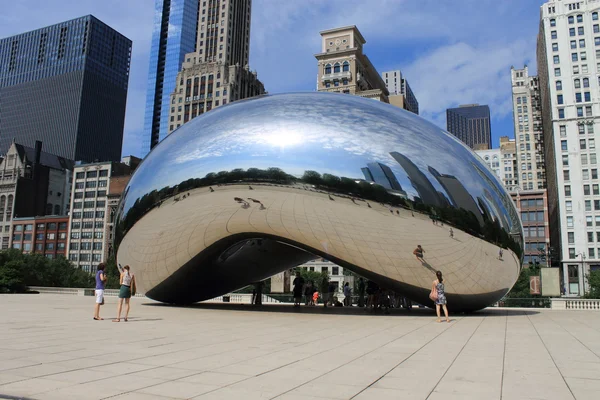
(594, 284)
(19, 270)
(521, 288)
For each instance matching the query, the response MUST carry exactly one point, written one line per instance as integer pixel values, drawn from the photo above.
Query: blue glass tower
(65, 85)
(174, 35)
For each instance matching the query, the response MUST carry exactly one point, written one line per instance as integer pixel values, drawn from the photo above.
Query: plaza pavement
(51, 348)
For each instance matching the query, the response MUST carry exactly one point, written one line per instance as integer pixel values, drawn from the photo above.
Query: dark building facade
(174, 35)
(65, 85)
(471, 124)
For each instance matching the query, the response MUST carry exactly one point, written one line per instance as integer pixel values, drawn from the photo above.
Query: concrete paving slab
(210, 351)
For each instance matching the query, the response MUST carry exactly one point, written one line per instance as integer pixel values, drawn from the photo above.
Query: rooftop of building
(40, 218)
(345, 28)
(46, 159)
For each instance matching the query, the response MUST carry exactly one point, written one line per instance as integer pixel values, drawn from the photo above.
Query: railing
(241, 298)
(541, 302)
(565, 303)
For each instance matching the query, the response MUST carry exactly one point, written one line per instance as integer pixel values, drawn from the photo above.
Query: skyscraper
(401, 95)
(174, 35)
(529, 136)
(217, 72)
(471, 124)
(65, 85)
(382, 175)
(567, 67)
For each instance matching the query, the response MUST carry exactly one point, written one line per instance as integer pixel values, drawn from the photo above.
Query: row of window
(580, 113)
(581, 128)
(87, 224)
(40, 247)
(90, 194)
(587, 96)
(571, 18)
(39, 236)
(40, 227)
(88, 214)
(77, 205)
(535, 247)
(573, 255)
(585, 174)
(91, 184)
(86, 246)
(87, 235)
(91, 174)
(532, 216)
(584, 144)
(85, 257)
(534, 231)
(337, 67)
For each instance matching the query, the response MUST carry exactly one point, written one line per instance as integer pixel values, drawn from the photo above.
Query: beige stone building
(344, 68)
(217, 73)
(527, 114)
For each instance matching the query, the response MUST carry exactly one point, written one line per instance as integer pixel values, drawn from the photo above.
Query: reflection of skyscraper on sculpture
(458, 194)
(427, 193)
(382, 175)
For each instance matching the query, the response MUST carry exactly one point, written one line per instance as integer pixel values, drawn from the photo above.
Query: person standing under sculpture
(347, 295)
(298, 287)
(127, 289)
(308, 292)
(325, 291)
(440, 301)
(99, 292)
(361, 292)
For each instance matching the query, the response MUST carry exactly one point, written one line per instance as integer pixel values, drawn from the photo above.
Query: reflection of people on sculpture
(298, 286)
(347, 295)
(500, 255)
(438, 295)
(325, 291)
(418, 252)
(451, 233)
(308, 292)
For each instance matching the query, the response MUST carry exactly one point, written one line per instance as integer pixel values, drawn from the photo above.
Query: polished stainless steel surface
(262, 185)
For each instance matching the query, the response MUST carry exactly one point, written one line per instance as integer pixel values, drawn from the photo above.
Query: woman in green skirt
(127, 281)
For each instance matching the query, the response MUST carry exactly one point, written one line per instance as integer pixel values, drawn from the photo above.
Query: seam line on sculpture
(551, 357)
(456, 357)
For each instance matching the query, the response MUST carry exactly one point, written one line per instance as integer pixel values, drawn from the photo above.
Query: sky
(451, 52)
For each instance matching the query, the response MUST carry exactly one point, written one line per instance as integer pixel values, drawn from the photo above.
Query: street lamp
(580, 274)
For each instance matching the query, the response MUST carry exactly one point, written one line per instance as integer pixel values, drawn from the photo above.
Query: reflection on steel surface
(263, 185)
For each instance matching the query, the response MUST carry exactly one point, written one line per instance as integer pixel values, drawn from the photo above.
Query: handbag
(434, 294)
(133, 288)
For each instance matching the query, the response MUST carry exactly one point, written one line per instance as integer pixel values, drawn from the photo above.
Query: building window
(568, 190)
(580, 111)
(566, 175)
(582, 43)
(570, 225)
(580, 31)
(571, 19)
(561, 113)
(328, 69)
(559, 99)
(563, 131)
(573, 44)
(586, 190)
(571, 33)
(558, 85)
(582, 144)
(588, 205)
(556, 71)
(573, 58)
(580, 18)
(346, 66)
(336, 68)
(595, 16)
(552, 22)
(563, 145)
(565, 160)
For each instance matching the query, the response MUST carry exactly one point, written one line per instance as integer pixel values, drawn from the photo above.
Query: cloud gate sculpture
(263, 185)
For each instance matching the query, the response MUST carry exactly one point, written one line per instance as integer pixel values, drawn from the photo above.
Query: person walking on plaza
(418, 252)
(500, 253)
(99, 292)
(451, 233)
(127, 289)
(438, 292)
(347, 295)
(298, 287)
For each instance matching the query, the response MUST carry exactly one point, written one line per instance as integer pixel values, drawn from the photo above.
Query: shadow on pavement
(358, 311)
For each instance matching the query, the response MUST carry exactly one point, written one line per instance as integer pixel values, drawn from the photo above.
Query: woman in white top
(127, 281)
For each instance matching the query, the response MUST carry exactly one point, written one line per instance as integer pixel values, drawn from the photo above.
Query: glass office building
(65, 85)
(174, 35)
(471, 124)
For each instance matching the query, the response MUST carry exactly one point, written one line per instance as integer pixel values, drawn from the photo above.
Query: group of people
(311, 293)
(127, 289)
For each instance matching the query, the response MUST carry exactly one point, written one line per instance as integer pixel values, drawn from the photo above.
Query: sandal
(125, 319)
(116, 320)
(98, 319)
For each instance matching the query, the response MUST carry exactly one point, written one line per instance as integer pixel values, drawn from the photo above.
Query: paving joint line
(551, 357)
(456, 357)
(504, 353)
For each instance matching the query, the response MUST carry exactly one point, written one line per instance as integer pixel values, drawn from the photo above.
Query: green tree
(521, 288)
(11, 277)
(594, 282)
